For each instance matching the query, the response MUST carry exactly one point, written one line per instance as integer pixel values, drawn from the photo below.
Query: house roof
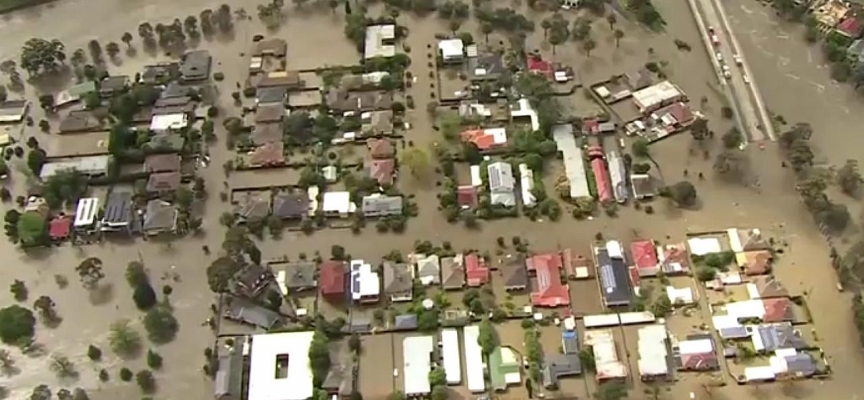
(118, 207)
(501, 177)
(162, 163)
(266, 379)
(778, 310)
(453, 272)
(300, 275)
(243, 310)
(253, 206)
(485, 139)
(487, 66)
(557, 366)
(614, 281)
(271, 153)
(643, 185)
(378, 122)
(293, 204)
(549, 291)
(644, 254)
(196, 64)
(267, 95)
(227, 384)
(515, 274)
(800, 364)
(466, 196)
(113, 83)
(338, 380)
(269, 113)
(675, 258)
(638, 79)
(429, 269)
(167, 141)
(163, 181)
(382, 170)
(537, 65)
(700, 361)
(476, 271)
(380, 205)
(504, 368)
(755, 262)
(380, 148)
(160, 216)
(267, 132)
(339, 99)
(277, 78)
(331, 277)
(79, 122)
(398, 278)
(850, 27)
(273, 47)
(405, 322)
(778, 336)
(60, 227)
(767, 287)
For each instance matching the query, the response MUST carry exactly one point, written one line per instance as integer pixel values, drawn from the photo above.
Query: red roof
(549, 291)
(476, 270)
(601, 178)
(635, 278)
(537, 65)
(591, 126)
(776, 309)
(850, 27)
(466, 196)
(676, 254)
(382, 171)
(699, 362)
(479, 137)
(60, 227)
(681, 112)
(644, 254)
(331, 278)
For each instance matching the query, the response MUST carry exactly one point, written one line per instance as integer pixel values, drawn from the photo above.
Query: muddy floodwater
(793, 78)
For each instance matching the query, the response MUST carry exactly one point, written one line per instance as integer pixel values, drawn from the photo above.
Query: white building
(166, 122)
(574, 161)
(502, 184)
(656, 96)
(452, 358)
(337, 204)
(279, 366)
(526, 183)
(653, 353)
(93, 166)
(365, 283)
(474, 359)
(85, 214)
(618, 176)
(417, 363)
(476, 180)
(680, 296)
(608, 365)
(380, 41)
(523, 110)
(452, 50)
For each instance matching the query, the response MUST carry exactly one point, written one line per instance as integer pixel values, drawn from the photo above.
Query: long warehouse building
(474, 360)
(452, 359)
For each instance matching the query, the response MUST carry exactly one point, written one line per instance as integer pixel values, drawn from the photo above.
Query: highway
(732, 70)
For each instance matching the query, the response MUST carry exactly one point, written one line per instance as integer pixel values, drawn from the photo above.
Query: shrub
(154, 360)
(125, 374)
(94, 353)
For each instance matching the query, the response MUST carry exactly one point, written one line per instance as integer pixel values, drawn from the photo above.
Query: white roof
(729, 277)
(652, 350)
(85, 212)
(164, 122)
(452, 358)
(526, 183)
(312, 193)
(416, 364)
(636, 317)
(499, 135)
(602, 343)
(574, 161)
(368, 282)
(451, 48)
(263, 381)
(338, 202)
(758, 373)
(700, 346)
(725, 321)
(375, 37)
(373, 78)
(94, 165)
(746, 309)
(680, 295)
(734, 240)
(653, 96)
(476, 180)
(702, 246)
(601, 320)
(524, 109)
(473, 359)
(613, 247)
(501, 177)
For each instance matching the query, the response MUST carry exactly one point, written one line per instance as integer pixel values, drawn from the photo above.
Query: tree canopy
(32, 229)
(16, 324)
(221, 272)
(39, 56)
(683, 193)
(124, 340)
(160, 324)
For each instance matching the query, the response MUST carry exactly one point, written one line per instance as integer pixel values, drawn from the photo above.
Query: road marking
(819, 88)
(783, 36)
(746, 10)
(794, 77)
(809, 56)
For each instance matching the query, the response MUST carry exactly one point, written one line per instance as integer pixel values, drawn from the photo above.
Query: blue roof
(570, 342)
(614, 281)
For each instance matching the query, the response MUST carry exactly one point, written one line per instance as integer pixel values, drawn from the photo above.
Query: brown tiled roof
(266, 133)
(269, 113)
(382, 170)
(453, 272)
(381, 148)
(271, 153)
(162, 163)
(757, 262)
(279, 78)
(163, 182)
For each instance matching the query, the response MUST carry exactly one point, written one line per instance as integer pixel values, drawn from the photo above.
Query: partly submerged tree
(16, 324)
(849, 178)
(161, 325)
(90, 272)
(39, 56)
(124, 340)
(682, 193)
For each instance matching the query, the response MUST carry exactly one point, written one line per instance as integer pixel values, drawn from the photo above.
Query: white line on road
(794, 77)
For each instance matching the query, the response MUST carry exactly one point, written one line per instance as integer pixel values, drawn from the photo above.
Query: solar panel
(607, 278)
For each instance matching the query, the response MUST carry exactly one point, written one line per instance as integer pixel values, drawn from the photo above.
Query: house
(522, 110)
(697, 355)
(159, 217)
(162, 123)
(770, 337)
(855, 52)
(680, 296)
(656, 96)
(247, 312)
(797, 365)
(295, 277)
(416, 364)
(485, 67)
(274, 370)
(505, 368)
(557, 366)
(86, 212)
(195, 66)
(405, 322)
(166, 142)
(476, 271)
(756, 262)
(269, 154)
(428, 269)
(537, 65)
(162, 163)
(268, 132)
(526, 184)
(92, 166)
(451, 50)
(82, 121)
(74, 93)
(643, 186)
(548, 291)
(576, 266)
(645, 257)
(674, 258)
(161, 73)
(269, 113)
(337, 204)
(273, 47)
(653, 354)
(398, 281)
(765, 287)
(377, 123)
(253, 206)
(228, 382)
(607, 364)
(828, 13)
(618, 177)
(113, 85)
(381, 148)
(501, 184)
(286, 79)
(574, 161)
(467, 197)
(59, 228)
(271, 95)
(163, 182)
(342, 101)
(383, 171)
(359, 324)
(453, 272)
(514, 273)
(253, 279)
(13, 111)
(487, 138)
(450, 359)
(638, 79)
(365, 283)
(118, 214)
(380, 41)
(331, 280)
(339, 380)
(292, 204)
(614, 278)
(476, 381)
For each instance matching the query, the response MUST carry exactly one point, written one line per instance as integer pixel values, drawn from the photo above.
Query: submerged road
(732, 70)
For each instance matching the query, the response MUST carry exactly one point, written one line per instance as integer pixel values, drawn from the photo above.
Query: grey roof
(515, 274)
(406, 322)
(453, 272)
(735, 332)
(160, 72)
(269, 113)
(227, 385)
(113, 84)
(248, 312)
(196, 65)
(397, 278)
(118, 208)
(559, 366)
(638, 79)
(290, 204)
(614, 279)
(79, 122)
(780, 336)
(429, 267)
(160, 216)
(382, 205)
(275, 94)
(174, 90)
(253, 276)
(254, 206)
(855, 52)
(801, 364)
(360, 324)
(300, 275)
(487, 66)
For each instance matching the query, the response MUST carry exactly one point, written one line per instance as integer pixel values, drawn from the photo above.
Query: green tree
(732, 139)
(437, 377)
(417, 161)
(221, 273)
(90, 272)
(124, 340)
(319, 357)
(586, 357)
(112, 48)
(145, 381)
(126, 374)
(731, 164)
(488, 337)
(16, 324)
(144, 296)
(154, 360)
(62, 366)
(611, 391)
(32, 229)
(849, 178)
(19, 290)
(160, 324)
(39, 56)
(640, 149)
(80, 394)
(440, 393)
(683, 193)
(94, 353)
(136, 274)
(619, 34)
(41, 392)
(45, 306)
(127, 38)
(662, 306)
(36, 158)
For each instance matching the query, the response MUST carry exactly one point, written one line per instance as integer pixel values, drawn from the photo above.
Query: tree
(124, 340)
(90, 272)
(41, 392)
(337, 252)
(160, 324)
(16, 324)
(586, 357)
(619, 34)
(80, 394)
(612, 19)
(437, 377)
(112, 48)
(558, 31)
(36, 158)
(835, 217)
(190, 24)
(127, 38)
(221, 273)
(95, 51)
(732, 139)
(62, 366)
(144, 296)
(154, 360)
(611, 391)
(440, 393)
(45, 306)
(65, 188)
(417, 161)
(354, 343)
(849, 178)
(319, 357)
(40, 56)
(699, 128)
(640, 148)
(487, 338)
(581, 28)
(662, 306)
(397, 395)
(641, 168)
(125, 374)
(731, 164)
(705, 274)
(64, 394)
(683, 193)
(94, 353)
(145, 381)
(136, 274)
(32, 229)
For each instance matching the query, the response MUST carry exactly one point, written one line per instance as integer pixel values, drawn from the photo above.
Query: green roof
(503, 361)
(82, 88)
